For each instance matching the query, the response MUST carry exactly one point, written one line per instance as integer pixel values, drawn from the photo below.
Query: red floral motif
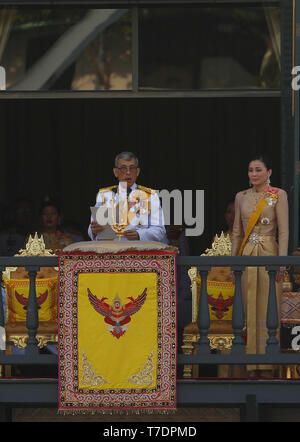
(271, 195)
(271, 190)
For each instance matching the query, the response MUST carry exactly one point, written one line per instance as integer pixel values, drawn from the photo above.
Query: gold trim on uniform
(146, 189)
(105, 189)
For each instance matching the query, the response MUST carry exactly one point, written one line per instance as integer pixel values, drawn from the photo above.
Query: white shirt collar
(134, 186)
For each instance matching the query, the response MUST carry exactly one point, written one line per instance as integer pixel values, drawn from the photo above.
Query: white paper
(108, 232)
(94, 212)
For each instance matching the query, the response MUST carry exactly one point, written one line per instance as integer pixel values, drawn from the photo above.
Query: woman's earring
(250, 184)
(268, 181)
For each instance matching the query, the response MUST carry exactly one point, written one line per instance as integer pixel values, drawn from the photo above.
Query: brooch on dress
(271, 195)
(254, 238)
(265, 221)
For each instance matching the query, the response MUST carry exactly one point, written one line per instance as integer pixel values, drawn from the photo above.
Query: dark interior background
(66, 148)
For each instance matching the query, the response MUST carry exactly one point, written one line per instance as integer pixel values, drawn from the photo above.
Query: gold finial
(35, 247)
(221, 246)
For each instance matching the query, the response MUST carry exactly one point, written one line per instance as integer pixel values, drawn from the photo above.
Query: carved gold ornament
(222, 342)
(21, 340)
(35, 246)
(221, 246)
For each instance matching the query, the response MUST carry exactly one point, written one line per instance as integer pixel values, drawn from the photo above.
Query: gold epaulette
(146, 189)
(105, 189)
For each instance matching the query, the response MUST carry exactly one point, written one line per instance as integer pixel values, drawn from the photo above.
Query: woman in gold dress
(54, 236)
(261, 213)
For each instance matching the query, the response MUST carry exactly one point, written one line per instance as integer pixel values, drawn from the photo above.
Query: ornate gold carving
(119, 229)
(43, 340)
(216, 342)
(221, 246)
(193, 274)
(88, 377)
(145, 376)
(35, 246)
(189, 347)
(220, 342)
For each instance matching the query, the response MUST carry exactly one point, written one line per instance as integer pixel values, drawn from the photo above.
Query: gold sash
(252, 221)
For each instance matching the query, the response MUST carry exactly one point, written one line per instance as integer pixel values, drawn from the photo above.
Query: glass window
(218, 47)
(66, 49)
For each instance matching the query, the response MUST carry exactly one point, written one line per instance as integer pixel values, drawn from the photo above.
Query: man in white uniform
(145, 215)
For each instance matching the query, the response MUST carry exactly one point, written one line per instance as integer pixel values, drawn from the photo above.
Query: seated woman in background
(55, 237)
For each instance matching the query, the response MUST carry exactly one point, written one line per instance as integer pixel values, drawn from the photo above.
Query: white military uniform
(144, 212)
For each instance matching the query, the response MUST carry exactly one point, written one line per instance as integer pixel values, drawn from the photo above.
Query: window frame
(290, 113)
(136, 92)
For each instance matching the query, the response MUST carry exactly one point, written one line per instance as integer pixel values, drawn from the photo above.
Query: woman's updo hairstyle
(263, 159)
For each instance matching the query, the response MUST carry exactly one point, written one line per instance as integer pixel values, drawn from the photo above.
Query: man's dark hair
(126, 156)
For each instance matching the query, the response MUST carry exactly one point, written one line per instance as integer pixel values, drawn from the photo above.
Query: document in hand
(107, 233)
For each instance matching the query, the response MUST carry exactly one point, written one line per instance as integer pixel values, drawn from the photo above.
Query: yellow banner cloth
(96, 339)
(117, 332)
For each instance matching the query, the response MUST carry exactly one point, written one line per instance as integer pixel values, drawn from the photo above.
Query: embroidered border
(164, 395)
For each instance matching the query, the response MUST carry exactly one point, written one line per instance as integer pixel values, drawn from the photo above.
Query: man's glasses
(130, 169)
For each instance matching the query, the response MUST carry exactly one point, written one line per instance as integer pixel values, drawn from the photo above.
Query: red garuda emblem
(220, 305)
(117, 316)
(24, 301)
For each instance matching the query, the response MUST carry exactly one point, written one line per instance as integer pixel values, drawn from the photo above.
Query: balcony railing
(31, 354)
(238, 354)
(218, 392)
